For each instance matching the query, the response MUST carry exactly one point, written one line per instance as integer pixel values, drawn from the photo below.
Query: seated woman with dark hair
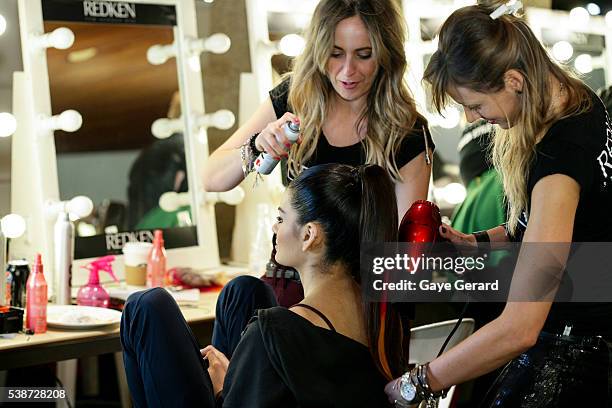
(332, 349)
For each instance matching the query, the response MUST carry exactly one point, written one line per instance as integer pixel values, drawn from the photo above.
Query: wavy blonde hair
(487, 49)
(390, 111)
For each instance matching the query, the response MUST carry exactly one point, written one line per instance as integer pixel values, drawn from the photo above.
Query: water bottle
(265, 163)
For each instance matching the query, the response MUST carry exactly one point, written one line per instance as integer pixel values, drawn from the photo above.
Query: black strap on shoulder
(321, 315)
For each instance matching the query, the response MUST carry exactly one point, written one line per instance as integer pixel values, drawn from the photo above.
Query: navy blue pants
(162, 357)
(237, 303)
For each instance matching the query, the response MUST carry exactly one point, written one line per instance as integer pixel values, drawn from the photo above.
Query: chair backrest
(426, 341)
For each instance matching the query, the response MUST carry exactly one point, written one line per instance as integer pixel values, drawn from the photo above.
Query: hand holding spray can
(265, 163)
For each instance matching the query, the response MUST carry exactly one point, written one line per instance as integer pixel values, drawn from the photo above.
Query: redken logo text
(115, 242)
(109, 9)
(605, 157)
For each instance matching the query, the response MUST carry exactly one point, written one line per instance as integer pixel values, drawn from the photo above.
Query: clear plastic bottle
(261, 247)
(37, 298)
(156, 262)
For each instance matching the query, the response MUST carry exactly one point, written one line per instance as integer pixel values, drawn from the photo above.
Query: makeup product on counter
(11, 319)
(64, 255)
(19, 271)
(92, 293)
(36, 304)
(265, 163)
(7, 290)
(156, 262)
(135, 255)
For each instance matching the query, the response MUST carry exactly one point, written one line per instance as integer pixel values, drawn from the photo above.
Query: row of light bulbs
(580, 16)
(562, 51)
(71, 120)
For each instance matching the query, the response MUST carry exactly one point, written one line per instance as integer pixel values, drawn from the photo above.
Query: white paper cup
(135, 256)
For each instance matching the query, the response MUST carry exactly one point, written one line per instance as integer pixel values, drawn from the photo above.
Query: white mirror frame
(34, 167)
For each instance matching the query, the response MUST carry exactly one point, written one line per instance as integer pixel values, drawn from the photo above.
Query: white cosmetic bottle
(64, 255)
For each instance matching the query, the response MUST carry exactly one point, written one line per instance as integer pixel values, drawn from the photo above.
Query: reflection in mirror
(114, 158)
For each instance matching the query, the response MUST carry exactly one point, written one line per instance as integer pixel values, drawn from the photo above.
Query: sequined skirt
(559, 371)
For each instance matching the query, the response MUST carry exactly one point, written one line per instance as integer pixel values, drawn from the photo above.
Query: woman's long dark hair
(355, 205)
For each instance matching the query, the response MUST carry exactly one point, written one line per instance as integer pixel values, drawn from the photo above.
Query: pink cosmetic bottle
(37, 298)
(156, 263)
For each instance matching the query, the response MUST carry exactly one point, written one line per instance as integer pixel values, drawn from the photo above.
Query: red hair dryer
(421, 223)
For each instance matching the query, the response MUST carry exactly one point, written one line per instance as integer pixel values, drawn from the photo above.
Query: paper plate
(81, 317)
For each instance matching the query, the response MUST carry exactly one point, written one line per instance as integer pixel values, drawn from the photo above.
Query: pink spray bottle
(94, 294)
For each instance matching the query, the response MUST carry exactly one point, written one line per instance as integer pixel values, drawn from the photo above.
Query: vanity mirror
(94, 61)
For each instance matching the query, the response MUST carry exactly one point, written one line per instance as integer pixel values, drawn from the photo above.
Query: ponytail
(388, 345)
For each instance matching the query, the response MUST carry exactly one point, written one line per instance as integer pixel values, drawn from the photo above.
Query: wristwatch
(408, 390)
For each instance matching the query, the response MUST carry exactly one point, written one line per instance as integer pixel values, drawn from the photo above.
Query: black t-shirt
(283, 360)
(581, 148)
(411, 146)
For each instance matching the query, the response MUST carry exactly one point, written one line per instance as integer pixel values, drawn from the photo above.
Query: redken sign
(108, 11)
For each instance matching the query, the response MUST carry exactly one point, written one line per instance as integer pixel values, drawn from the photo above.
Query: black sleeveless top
(411, 146)
(293, 363)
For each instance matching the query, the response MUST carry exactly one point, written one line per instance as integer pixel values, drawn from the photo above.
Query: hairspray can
(265, 163)
(64, 255)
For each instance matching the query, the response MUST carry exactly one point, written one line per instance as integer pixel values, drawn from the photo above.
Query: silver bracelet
(248, 156)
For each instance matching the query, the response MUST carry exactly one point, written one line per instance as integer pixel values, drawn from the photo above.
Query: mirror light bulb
(233, 196)
(2, 24)
(70, 120)
(579, 16)
(584, 63)
(452, 193)
(609, 18)
(449, 118)
(159, 54)
(562, 51)
(12, 226)
(163, 128)
(61, 38)
(593, 9)
(223, 119)
(218, 43)
(8, 124)
(170, 201)
(292, 45)
(80, 206)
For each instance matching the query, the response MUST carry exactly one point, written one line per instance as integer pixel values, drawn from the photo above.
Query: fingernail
(444, 230)
(288, 145)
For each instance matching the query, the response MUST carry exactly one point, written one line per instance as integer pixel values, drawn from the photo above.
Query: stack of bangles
(414, 388)
(248, 154)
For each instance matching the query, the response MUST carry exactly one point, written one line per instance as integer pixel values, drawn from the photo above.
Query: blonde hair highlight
(487, 51)
(390, 111)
